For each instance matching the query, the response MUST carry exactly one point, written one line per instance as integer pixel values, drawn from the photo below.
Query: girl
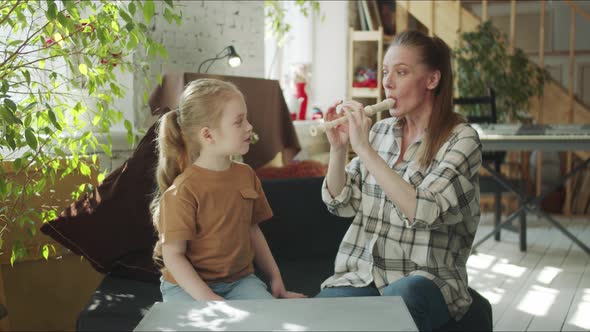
(208, 207)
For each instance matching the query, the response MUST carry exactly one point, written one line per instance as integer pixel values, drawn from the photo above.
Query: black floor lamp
(233, 59)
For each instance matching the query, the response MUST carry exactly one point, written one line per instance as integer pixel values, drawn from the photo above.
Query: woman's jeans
(249, 287)
(422, 297)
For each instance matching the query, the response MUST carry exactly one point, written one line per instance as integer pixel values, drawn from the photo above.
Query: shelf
(365, 92)
(375, 35)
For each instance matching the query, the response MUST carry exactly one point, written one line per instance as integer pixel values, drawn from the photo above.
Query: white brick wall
(207, 27)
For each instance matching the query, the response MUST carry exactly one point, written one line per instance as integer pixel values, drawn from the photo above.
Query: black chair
(487, 183)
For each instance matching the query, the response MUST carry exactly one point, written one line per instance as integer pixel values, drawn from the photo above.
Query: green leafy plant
(58, 83)
(483, 62)
(276, 22)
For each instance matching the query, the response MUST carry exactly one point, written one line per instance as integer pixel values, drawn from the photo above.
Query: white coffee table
(377, 313)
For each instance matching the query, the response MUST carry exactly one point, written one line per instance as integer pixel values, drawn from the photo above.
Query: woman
(413, 189)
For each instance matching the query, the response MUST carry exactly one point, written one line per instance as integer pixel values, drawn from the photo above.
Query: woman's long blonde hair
(200, 105)
(436, 55)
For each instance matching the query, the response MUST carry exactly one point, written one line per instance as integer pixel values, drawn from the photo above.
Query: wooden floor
(546, 288)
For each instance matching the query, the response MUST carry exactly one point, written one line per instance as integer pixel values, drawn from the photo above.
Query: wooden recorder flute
(369, 110)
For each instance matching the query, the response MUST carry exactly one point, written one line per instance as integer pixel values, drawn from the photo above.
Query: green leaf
(27, 76)
(84, 169)
(10, 105)
(131, 7)
(51, 10)
(29, 107)
(31, 138)
(3, 189)
(7, 112)
(148, 11)
(115, 26)
(125, 16)
(53, 119)
(133, 40)
(46, 252)
(100, 177)
(83, 69)
(107, 150)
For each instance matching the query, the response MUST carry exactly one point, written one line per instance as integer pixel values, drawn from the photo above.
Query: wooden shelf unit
(376, 36)
(367, 96)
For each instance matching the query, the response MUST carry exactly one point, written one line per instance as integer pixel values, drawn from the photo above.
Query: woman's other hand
(338, 137)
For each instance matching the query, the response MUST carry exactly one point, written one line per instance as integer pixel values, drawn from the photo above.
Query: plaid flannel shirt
(382, 246)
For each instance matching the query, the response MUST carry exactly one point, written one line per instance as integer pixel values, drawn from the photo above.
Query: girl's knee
(249, 287)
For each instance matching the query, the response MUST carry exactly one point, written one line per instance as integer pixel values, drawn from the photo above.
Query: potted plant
(58, 82)
(483, 61)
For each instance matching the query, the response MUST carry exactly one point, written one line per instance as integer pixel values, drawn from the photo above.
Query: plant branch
(16, 4)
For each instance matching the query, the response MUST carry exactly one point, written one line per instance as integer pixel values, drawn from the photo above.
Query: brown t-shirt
(213, 211)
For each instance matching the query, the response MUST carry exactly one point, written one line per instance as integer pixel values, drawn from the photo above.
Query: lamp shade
(233, 59)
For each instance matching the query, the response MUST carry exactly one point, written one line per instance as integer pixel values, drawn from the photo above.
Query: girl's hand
(359, 126)
(338, 137)
(278, 290)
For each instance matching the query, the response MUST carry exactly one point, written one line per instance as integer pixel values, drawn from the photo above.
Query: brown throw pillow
(112, 227)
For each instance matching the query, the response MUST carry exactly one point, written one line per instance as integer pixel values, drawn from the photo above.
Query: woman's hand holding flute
(369, 110)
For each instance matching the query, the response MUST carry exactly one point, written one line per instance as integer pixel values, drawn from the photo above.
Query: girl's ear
(205, 135)
(433, 80)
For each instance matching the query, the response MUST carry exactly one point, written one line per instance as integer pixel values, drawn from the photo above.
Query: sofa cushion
(305, 276)
(112, 227)
(302, 228)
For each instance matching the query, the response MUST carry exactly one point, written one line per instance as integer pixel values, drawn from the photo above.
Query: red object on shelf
(365, 84)
(301, 94)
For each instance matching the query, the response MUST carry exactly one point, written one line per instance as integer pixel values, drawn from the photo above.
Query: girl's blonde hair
(200, 105)
(436, 54)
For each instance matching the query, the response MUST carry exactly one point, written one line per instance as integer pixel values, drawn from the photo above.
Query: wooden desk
(377, 313)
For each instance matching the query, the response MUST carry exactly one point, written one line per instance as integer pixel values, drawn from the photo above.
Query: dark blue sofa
(303, 237)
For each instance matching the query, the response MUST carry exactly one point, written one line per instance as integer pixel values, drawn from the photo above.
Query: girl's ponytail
(172, 158)
(172, 151)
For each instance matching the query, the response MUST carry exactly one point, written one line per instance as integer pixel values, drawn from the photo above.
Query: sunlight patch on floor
(581, 316)
(538, 300)
(494, 295)
(480, 261)
(509, 270)
(548, 273)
